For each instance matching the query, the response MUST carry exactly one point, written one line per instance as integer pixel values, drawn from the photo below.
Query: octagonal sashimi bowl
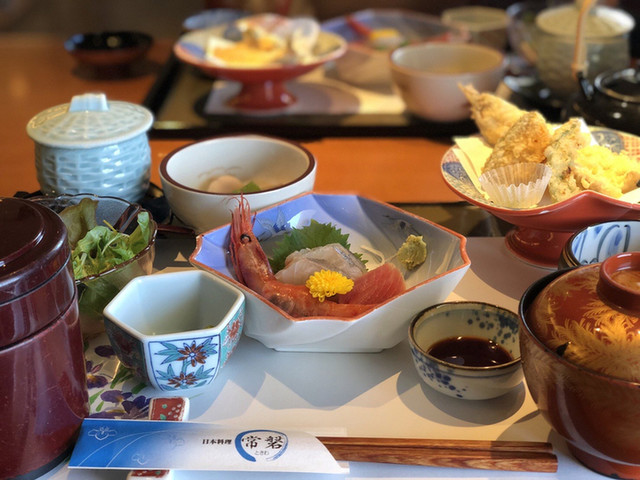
(376, 230)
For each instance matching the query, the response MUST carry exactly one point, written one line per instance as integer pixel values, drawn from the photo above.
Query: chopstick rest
(480, 454)
(174, 409)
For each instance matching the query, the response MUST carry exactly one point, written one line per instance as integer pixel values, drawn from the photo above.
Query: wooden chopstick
(481, 454)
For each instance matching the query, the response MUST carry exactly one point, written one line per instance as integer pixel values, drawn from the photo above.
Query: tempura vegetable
(493, 115)
(524, 142)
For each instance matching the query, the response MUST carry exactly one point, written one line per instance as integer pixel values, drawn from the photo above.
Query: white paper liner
(520, 185)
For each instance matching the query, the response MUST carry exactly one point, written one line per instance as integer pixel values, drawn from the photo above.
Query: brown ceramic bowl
(597, 413)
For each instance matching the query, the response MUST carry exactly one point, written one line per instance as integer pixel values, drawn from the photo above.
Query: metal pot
(612, 100)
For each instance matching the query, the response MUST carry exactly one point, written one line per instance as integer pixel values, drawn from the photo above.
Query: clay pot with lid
(580, 347)
(608, 97)
(43, 393)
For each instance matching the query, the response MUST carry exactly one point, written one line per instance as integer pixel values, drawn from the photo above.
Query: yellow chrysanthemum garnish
(327, 283)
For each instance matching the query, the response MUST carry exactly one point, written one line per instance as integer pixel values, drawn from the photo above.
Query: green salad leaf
(103, 247)
(96, 249)
(79, 219)
(315, 234)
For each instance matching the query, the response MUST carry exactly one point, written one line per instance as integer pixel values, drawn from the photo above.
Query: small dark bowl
(108, 49)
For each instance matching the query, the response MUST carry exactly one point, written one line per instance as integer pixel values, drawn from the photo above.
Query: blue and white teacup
(176, 330)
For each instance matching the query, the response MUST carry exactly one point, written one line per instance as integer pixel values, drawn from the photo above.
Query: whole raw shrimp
(253, 269)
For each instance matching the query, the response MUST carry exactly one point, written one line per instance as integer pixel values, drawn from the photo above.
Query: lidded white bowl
(93, 145)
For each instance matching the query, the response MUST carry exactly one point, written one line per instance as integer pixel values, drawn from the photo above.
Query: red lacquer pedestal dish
(263, 88)
(580, 347)
(540, 233)
(43, 393)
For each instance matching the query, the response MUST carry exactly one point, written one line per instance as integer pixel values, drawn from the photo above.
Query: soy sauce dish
(467, 350)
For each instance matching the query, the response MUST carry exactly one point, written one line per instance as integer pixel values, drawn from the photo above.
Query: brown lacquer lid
(33, 246)
(36, 282)
(591, 316)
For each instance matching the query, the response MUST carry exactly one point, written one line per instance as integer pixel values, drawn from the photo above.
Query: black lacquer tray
(178, 97)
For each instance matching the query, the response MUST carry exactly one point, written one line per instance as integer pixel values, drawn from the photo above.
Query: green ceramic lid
(88, 121)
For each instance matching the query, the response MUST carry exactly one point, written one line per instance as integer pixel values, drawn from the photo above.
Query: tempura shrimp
(252, 268)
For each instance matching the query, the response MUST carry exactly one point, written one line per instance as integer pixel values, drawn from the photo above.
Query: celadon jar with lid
(93, 145)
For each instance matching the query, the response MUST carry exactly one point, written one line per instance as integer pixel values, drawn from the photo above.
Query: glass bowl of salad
(112, 242)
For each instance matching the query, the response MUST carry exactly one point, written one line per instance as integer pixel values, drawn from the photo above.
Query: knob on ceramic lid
(87, 121)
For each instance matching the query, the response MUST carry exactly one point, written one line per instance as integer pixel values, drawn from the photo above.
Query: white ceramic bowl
(283, 168)
(486, 25)
(366, 66)
(175, 330)
(596, 243)
(372, 224)
(467, 319)
(427, 76)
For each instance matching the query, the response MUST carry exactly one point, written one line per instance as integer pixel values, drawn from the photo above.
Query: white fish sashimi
(300, 265)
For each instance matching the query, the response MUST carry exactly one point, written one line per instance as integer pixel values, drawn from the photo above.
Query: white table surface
(370, 394)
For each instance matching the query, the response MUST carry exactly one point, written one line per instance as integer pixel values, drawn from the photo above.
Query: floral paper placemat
(114, 391)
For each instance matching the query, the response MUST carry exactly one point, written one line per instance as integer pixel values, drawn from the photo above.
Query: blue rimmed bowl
(596, 243)
(466, 319)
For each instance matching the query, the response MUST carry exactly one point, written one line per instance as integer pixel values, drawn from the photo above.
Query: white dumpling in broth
(300, 265)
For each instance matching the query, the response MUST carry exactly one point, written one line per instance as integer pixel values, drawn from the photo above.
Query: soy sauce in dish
(470, 351)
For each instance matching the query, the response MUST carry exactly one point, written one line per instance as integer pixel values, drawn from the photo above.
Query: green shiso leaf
(315, 234)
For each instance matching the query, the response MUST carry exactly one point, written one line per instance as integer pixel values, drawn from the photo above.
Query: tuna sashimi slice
(375, 286)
